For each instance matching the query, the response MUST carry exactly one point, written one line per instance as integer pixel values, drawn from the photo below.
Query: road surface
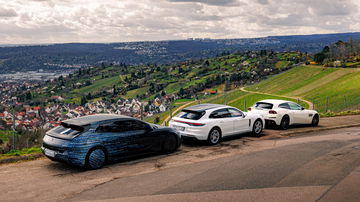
(318, 166)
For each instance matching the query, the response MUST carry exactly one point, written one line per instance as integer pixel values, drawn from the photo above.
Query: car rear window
(68, 129)
(192, 115)
(263, 105)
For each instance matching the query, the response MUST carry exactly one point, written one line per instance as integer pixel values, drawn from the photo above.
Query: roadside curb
(318, 129)
(20, 158)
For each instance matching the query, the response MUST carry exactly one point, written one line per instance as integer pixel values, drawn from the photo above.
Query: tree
(83, 101)
(319, 57)
(28, 95)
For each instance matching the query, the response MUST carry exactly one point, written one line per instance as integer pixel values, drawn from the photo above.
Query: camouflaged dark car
(92, 141)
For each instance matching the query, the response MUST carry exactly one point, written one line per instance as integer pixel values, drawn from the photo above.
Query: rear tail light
(249, 109)
(272, 112)
(190, 123)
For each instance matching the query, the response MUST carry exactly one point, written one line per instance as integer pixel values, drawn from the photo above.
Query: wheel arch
(216, 127)
(99, 147)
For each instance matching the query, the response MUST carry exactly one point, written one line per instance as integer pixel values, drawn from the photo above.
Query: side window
(284, 106)
(294, 106)
(131, 125)
(221, 113)
(111, 128)
(235, 112)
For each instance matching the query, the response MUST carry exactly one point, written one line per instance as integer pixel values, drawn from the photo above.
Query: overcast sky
(58, 21)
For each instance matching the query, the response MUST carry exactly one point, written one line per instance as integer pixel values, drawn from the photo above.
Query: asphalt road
(316, 166)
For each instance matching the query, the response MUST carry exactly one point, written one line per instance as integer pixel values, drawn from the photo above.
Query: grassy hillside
(341, 86)
(145, 82)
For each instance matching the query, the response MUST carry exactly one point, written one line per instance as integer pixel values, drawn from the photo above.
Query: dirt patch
(159, 164)
(21, 158)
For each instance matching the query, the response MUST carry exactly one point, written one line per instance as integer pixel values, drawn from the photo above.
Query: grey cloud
(212, 2)
(263, 1)
(332, 8)
(7, 12)
(127, 20)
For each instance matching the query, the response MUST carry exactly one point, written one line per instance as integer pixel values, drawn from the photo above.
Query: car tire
(214, 136)
(96, 158)
(285, 122)
(257, 127)
(315, 120)
(169, 144)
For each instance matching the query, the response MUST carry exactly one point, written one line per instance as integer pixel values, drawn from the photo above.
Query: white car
(211, 122)
(284, 113)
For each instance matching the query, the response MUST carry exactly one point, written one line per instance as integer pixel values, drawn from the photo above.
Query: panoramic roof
(203, 107)
(86, 120)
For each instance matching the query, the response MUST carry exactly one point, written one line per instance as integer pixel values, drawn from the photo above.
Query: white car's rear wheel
(257, 127)
(285, 122)
(315, 120)
(214, 136)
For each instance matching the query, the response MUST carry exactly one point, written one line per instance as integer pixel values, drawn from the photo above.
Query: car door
(137, 133)
(224, 120)
(299, 115)
(240, 122)
(114, 138)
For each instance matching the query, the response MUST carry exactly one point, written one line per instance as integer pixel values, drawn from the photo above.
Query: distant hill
(75, 55)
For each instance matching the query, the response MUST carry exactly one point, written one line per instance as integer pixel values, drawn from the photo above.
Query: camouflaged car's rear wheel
(96, 158)
(169, 144)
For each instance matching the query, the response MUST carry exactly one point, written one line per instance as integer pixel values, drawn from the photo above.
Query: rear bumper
(63, 155)
(270, 123)
(193, 136)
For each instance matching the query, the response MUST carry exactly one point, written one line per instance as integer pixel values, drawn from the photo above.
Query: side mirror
(302, 108)
(149, 129)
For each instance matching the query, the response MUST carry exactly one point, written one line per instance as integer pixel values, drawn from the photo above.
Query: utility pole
(170, 111)
(225, 89)
(14, 129)
(141, 112)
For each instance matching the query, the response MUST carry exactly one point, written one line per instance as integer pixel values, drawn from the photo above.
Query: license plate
(49, 153)
(179, 128)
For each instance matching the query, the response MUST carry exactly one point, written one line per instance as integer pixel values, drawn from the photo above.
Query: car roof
(204, 107)
(86, 120)
(274, 101)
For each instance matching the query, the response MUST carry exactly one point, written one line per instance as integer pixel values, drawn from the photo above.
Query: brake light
(272, 112)
(190, 123)
(249, 109)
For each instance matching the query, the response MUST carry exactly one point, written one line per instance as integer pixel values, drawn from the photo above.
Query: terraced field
(334, 89)
(338, 87)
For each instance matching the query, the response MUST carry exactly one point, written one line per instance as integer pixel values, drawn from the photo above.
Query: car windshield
(193, 115)
(263, 105)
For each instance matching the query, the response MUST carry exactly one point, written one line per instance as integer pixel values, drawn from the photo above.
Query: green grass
(4, 135)
(316, 84)
(184, 100)
(138, 91)
(21, 152)
(250, 99)
(281, 64)
(98, 85)
(173, 87)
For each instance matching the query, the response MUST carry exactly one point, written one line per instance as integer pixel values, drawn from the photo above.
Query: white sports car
(211, 122)
(284, 113)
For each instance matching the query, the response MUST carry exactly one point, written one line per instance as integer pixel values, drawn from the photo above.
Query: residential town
(49, 116)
